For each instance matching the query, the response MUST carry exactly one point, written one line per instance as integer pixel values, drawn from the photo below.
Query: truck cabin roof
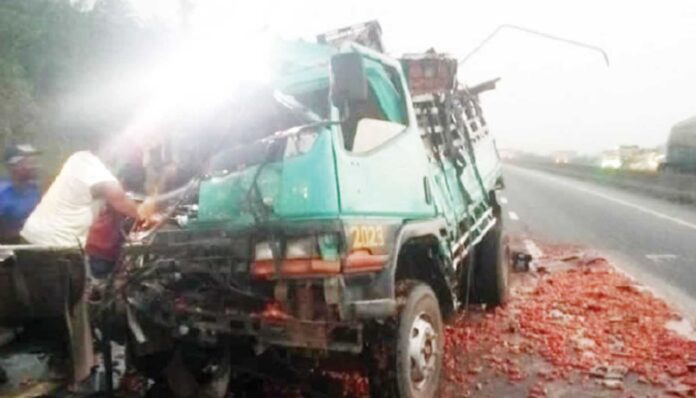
(302, 68)
(683, 133)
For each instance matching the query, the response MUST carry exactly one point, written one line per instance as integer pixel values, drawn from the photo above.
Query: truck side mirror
(348, 80)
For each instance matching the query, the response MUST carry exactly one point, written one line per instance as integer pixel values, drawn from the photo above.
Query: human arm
(102, 184)
(115, 196)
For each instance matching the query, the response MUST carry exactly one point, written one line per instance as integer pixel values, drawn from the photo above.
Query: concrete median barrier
(667, 185)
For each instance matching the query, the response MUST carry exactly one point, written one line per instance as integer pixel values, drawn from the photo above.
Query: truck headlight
(301, 248)
(304, 256)
(263, 251)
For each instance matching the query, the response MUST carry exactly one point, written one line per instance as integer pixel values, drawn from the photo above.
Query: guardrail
(667, 185)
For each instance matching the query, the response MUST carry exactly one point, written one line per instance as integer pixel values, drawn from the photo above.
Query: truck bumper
(283, 330)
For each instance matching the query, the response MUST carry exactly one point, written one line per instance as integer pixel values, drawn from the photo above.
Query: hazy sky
(551, 96)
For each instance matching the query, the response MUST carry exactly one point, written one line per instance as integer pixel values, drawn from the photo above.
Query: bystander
(19, 195)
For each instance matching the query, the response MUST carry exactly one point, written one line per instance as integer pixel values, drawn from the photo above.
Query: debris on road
(521, 261)
(581, 327)
(691, 366)
(609, 372)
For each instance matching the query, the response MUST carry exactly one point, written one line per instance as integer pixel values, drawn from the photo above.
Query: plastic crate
(430, 73)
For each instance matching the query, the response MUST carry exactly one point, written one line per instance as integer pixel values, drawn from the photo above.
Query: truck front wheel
(412, 350)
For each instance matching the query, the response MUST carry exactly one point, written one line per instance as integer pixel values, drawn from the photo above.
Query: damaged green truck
(355, 219)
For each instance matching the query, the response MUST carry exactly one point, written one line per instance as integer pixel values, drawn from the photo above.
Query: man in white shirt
(67, 210)
(63, 218)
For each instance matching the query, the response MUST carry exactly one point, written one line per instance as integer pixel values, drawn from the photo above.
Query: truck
(680, 156)
(350, 210)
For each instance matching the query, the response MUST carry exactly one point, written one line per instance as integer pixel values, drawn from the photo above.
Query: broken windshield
(284, 144)
(275, 126)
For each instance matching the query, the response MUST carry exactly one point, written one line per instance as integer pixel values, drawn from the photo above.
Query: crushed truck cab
(359, 212)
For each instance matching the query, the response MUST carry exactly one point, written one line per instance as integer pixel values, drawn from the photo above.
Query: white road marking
(513, 216)
(626, 203)
(532, 249)
(660, 257)
(503, 200)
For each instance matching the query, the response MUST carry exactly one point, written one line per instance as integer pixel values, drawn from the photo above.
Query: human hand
(145, 227)
(147, 209)
(151, 221)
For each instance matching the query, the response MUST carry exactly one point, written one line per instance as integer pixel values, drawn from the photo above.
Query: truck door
(382, 168)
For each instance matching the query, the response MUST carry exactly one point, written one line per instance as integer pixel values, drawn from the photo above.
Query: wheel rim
(422, 351)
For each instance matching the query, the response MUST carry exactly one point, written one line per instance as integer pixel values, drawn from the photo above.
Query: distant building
(632, 157)
(610, 159)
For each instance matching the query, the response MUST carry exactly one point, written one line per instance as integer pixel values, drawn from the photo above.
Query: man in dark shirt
(19, 195)
(106, 235)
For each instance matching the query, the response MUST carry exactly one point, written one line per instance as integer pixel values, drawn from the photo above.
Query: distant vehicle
(564, 157)
(358, 229)
(681, 148)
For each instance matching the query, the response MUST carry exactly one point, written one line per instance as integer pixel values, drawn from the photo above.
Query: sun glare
(219, 50)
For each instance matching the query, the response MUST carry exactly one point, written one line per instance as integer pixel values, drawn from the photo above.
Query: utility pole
(536, 33)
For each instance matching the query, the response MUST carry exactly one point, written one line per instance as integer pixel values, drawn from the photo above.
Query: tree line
(54, 56)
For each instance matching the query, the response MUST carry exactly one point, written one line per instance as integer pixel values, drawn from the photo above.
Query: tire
(416, 337)
(491, 267)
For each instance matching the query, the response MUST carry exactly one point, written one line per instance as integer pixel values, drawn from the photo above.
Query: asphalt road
(653, 240)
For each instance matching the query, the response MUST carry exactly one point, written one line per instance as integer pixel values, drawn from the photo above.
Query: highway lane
(653, 240)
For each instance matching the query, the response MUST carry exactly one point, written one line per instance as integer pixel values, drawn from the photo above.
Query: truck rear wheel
(410, 360)
(491, 276)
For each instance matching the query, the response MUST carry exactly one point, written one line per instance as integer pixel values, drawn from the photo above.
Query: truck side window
(369, 110)
(371, 129)
(386, 103)
(395, 79)
(372, 133)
